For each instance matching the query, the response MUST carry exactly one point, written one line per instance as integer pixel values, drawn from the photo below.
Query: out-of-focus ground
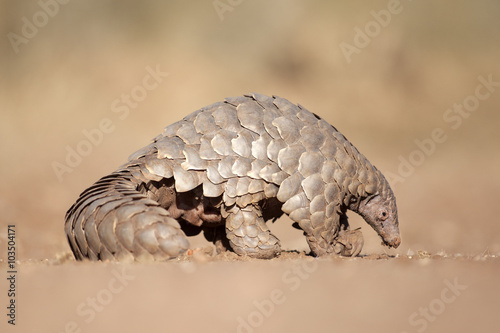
(61, 77)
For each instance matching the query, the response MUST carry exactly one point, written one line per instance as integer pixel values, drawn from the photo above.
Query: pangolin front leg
(348, 243)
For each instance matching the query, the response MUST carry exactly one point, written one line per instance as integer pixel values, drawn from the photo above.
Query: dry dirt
(295, 293)
(411, 98)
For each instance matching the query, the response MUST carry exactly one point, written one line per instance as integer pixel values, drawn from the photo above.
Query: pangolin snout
(394, 242)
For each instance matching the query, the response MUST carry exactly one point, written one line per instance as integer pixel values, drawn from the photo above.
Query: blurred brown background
(65, 79)
(64, 66)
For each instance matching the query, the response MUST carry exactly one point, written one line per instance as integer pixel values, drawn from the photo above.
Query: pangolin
(226, 169)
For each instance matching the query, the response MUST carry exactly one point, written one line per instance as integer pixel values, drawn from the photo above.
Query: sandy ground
(291, 294)
(407, 84)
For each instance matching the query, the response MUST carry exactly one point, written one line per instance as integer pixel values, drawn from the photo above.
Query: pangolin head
(380, 211)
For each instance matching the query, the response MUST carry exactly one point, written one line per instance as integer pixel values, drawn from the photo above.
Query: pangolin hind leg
(217, 235)
(248, 233)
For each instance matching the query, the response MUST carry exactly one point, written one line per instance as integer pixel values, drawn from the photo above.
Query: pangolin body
(225, 170)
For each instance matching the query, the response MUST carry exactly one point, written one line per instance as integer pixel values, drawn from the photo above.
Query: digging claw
(348, 243)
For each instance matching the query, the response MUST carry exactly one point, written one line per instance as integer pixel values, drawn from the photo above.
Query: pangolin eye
(383, 215)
